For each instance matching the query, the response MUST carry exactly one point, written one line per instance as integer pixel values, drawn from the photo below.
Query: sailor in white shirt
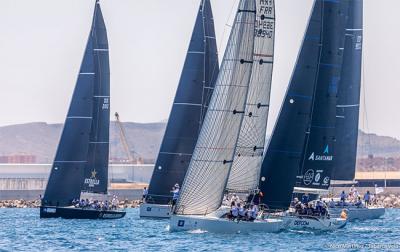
(235, 199)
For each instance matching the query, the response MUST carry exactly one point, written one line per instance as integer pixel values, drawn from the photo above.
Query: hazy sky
(42, 44)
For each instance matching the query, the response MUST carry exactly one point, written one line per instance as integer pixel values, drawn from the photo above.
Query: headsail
(246, 166)
(348, 103)
(195, 88)
(208, 172)
(319, 154)
(67, 173)
(96, 169)
(314, 76)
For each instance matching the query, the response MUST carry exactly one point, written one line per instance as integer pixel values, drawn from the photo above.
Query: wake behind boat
(81, 161)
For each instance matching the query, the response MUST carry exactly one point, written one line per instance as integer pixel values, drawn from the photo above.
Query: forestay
(208, 172)
(348, 102)
(194, 91)
(246, 166)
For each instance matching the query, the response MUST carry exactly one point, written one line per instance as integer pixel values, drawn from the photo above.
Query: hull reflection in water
(79, 213)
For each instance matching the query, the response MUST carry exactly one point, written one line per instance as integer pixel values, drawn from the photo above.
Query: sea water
(22, 229)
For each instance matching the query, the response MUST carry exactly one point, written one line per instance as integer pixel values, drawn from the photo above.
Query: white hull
(362, 213)
(155, 211)
(313, 223)
(222, 225)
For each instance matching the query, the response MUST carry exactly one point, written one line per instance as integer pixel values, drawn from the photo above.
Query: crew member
(145, 192)
(175, 194)
(343, 198)
(305, 199)
(367, 198)
(234, 212)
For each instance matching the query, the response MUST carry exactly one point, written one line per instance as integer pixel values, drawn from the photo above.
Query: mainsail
(246, 166)
(348, 102)
(96, 169)
(195, 88)
(208, 172)
(311, 93)
(71, 162)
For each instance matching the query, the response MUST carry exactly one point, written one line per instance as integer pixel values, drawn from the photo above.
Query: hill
(41, 139)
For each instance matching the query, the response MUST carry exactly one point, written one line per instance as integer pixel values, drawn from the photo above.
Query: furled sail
(284, 153)
(348, 102)
(208, 171)
(195, 88)
(246, 166)
(67, 173)
(96, 168)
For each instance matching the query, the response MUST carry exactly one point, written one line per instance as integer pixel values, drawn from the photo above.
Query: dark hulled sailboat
(81, 161)
(190, 105)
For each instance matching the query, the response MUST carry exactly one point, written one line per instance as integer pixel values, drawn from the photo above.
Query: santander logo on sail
(324, 157)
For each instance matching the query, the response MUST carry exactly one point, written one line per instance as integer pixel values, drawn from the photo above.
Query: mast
(68, 169)
(348, 103)
(246, 166)
(190, 105)
(307, 108)
(209, 168)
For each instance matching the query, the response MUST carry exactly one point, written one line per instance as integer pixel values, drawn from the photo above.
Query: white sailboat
(231, 141)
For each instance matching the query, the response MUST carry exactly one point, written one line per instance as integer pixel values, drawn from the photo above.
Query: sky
(42, 44)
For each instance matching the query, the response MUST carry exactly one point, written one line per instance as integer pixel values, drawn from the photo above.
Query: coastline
(21, 203)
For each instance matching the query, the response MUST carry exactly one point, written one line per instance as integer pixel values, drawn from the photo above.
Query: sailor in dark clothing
(305, 199)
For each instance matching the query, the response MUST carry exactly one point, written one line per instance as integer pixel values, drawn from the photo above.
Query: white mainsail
(208, 172)
(246, 166)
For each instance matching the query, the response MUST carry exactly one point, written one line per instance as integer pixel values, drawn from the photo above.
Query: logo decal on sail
(324, 157)
(326, 181)
(317, 177)
(308, 177)
(92, 181)
(326, 151)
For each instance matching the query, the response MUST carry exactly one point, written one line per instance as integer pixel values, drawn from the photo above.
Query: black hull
(79, 213)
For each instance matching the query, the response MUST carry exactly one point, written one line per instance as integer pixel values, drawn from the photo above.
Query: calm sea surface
(21, 229)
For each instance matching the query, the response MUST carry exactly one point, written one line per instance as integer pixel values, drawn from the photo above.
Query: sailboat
(194, 91)
(235, 120)
(348, 107)
(81, 161)
(300, 154)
